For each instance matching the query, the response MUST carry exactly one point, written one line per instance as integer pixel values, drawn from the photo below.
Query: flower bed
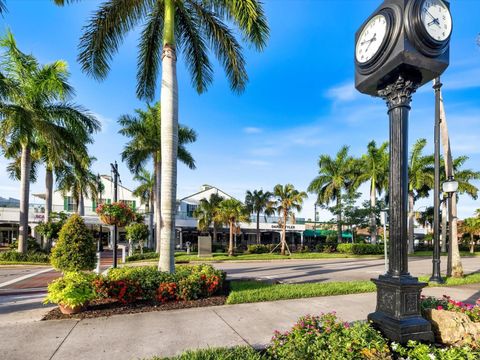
(446, 303)
(141, 287)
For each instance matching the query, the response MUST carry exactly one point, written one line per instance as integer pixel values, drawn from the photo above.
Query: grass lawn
(255, 291)
(23, 263)
(235, 353)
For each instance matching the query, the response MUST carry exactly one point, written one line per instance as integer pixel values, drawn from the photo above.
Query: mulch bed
(109, 307)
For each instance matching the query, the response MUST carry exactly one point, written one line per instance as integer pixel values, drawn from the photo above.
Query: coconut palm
(420, 181)
(374, 168)
(145, 191)
(336, 175)
(191, 26)
(464, 177)
(80, 182)
(471, 226)
(231, 212)
(143, 129)
(206, 212)
(35, 113)
(258, 202)
(288, 200)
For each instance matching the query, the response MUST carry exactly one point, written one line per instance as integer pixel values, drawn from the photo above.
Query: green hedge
(144, 256)
(30, 256)
(258, 249)
(360, 249)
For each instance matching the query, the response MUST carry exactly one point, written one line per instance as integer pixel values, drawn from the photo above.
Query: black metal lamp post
(436, 275)
(115, 199)
(450, 187)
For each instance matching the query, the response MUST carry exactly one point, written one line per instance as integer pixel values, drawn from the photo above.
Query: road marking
(24, 277)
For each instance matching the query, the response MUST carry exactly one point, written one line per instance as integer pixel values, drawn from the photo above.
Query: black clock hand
(371, 41)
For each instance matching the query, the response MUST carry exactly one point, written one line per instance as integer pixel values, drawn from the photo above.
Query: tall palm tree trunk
(444, 226)
(157, 201)
(339, 219)
(48, 192)
(81, 205)
(373, 220)
(150, 222)
(26, 163)
(258, 228)
(169, 134)
(230, 241)
(411, 223)
(284, 232)
(457, 268)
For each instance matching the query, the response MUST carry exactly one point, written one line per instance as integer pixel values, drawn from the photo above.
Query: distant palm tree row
(39, 123)
(343, 174)
(217, 211)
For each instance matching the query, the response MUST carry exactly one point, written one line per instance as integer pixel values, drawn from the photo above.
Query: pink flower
(439, 307)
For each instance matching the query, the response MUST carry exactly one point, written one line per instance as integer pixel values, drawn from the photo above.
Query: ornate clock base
(398, 314)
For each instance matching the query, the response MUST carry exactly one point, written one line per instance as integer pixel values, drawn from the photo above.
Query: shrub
(126, 291)
(32, 245)
(416, 350)
(148, 278)
(73, 289)
(360, 249)
(236, 353)
(325, 337)
(144, 256)
(136, 234)
(218, 248)
(257, 249)
(329, 249)
(75, 249)
(167, 292)
(30, 256)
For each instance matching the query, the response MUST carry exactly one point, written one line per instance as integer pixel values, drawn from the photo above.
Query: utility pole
(115, 199)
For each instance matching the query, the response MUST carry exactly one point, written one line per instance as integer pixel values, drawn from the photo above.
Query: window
(190, 209)
(69, 203)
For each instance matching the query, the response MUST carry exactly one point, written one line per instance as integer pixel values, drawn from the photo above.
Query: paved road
(293, 271)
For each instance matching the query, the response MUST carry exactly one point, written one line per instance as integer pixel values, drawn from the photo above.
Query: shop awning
(325, 233)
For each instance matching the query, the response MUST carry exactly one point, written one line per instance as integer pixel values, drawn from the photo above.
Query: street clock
(402, 36)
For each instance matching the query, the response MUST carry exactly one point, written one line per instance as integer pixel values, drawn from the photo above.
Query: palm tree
(471, 226)
(257, 202)
(374, 168)
(145, 191)
(80, 182)
(335, 176)
(420, 181)
(231, 212)
(34, 114)
(206, 212)
(144, 131)
(288, 200)
(464, 178)
(192, 26)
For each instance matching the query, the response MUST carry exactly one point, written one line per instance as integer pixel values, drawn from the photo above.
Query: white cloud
(105, 122)
(254, 162)
(343, 93)
(252, 130)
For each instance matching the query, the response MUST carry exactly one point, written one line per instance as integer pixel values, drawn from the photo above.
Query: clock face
(436, 19)
(371, 38)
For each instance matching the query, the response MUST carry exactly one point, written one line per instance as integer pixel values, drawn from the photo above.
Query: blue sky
(300, 101)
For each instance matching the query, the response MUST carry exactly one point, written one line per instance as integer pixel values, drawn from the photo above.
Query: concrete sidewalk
(167, 333)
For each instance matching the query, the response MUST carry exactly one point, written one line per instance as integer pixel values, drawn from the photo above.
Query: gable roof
(205, 194)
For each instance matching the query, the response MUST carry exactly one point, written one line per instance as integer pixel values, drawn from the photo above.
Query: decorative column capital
(399, 93)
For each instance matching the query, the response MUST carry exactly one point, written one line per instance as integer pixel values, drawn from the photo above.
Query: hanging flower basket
(116, 213)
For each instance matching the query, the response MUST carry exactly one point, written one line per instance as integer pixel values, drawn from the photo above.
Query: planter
(67, 310)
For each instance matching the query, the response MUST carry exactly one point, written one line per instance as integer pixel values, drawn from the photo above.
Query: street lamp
(450, 187)
(436, 275)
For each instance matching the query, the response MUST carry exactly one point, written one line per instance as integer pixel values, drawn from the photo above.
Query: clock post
(410, 46)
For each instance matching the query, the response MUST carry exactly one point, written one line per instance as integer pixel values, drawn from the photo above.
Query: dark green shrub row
(326, 248)
(360, 249)
(258, 249)
(32, 245)
(30, 256)
(144, 256)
